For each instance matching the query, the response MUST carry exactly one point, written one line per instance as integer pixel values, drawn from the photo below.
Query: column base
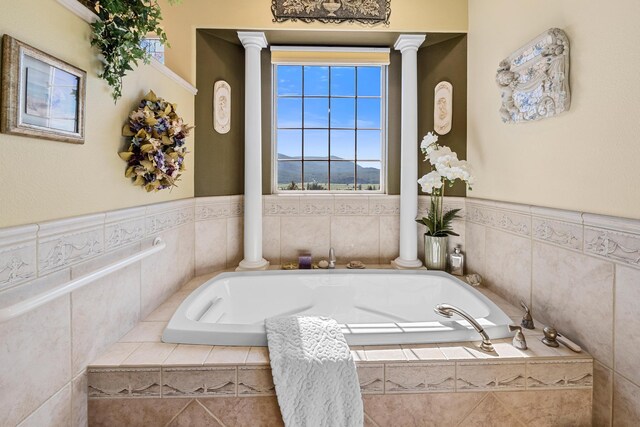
(245, 265)
(403, 264)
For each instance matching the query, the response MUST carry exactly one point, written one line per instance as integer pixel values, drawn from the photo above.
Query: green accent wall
(219, 165)
(219, 160)
(446, 61)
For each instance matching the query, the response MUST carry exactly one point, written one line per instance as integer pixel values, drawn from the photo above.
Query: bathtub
(374, 307)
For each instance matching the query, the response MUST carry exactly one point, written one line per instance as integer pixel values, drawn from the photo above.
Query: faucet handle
(519, 340)
(527, 320)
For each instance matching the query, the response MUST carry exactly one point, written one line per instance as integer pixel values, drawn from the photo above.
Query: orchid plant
(446, 169)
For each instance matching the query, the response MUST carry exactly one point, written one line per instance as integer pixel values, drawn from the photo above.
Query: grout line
(179, 412)
(469, 412)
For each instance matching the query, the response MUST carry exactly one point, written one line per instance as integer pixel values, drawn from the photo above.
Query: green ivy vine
(123, 24)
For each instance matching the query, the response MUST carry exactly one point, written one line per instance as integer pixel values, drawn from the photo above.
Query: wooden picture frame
(42, 96)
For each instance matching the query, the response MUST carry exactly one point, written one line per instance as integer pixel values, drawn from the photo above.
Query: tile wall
(579, 272)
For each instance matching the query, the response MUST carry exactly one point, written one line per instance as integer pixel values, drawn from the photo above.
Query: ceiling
(331, 38)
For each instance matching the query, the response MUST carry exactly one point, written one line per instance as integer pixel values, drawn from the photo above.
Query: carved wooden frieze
(534, 80)
(332, 11)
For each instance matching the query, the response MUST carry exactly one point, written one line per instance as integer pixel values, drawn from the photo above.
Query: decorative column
(408, 45)
(253, 43)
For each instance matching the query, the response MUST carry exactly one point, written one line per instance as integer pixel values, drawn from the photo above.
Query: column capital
(409, 42)
(257, 39)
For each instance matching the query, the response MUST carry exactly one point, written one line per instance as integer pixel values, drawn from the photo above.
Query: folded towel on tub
(314, 373)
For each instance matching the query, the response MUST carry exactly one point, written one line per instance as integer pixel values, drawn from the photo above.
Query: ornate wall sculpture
(222, 107)
(443, 108)
(534, 80)
(332, 11)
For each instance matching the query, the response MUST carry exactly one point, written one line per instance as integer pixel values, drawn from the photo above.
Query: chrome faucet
(447, 310)
(332, 258)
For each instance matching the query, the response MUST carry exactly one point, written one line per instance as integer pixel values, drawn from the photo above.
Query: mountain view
(341, 173)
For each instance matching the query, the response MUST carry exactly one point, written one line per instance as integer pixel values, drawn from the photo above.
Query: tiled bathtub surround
(579, 272)
(45, 352)
(360, 227)
(141, 383)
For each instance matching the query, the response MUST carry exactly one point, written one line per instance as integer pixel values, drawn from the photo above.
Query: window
(154, 47)
(329, 128)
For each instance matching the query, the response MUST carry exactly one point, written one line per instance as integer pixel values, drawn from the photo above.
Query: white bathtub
(375, 307)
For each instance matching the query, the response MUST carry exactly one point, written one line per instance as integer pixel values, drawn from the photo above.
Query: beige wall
(181, 22)
(586, 159)
(43, 179)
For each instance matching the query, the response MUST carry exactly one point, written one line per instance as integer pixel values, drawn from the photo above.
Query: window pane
(290, 112)
(343, 113)
(369, 113)
(316, 175)
(316, 81)
(289, 144)
(316, 112)
(369, 145)
(342, 176)
(369, 81)
(289, 80)
(343, 144)
(368, 176)
(343, 81)
(316, 144)
(289, 175)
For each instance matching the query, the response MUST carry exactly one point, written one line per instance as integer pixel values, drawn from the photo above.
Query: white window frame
(384, 82)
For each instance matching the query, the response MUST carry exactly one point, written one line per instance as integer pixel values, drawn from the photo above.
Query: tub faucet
(332, 258)
(447, 310)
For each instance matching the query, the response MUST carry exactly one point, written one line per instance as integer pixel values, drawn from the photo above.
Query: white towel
(314, 373)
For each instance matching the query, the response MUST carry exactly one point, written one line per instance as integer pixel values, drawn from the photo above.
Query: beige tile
(389, 238)
(79, 396)
(185, 354)
(105, 310)
(356, 238)
(165, 311)
(194, 415)
(602, 394)
(28, 375)
(475, 247)
(255, 381)
(351, 205)
(490, 412)
(210, 245)
(124, 382)
(235, 241)
(550, 407)
(420, 377)
(166, 272)
(371, 378)
(149, 354)
(627, 322)
(546, 374)
(423, 352)
(134, 412)
(304, 233)
(456, 350)
(271, 239)
(626, 402)
(358, 353)
(197, 281)
(54, 412)
(198, 382)
(259, 411)
(490, 376)
(420, 409)
(508, 265)
(116, 354)
(258, 356)
(145, 332)
(316, 205)
(384, 353)
(221, 355)
(574, 292)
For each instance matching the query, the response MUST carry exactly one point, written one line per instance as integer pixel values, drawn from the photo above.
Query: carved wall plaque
(222, 107)
(443, 108)
(332, 11)
(534, 80)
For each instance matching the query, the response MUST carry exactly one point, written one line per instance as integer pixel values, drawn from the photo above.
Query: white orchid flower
(429, 143)
(430, 181)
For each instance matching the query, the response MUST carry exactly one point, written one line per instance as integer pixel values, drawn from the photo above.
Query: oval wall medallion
(443, 108)
(222, 107)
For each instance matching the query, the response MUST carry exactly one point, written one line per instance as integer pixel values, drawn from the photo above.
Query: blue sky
(317, 83)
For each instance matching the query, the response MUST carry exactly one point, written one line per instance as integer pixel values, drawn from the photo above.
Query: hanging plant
(121, 26)
(155, 157)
